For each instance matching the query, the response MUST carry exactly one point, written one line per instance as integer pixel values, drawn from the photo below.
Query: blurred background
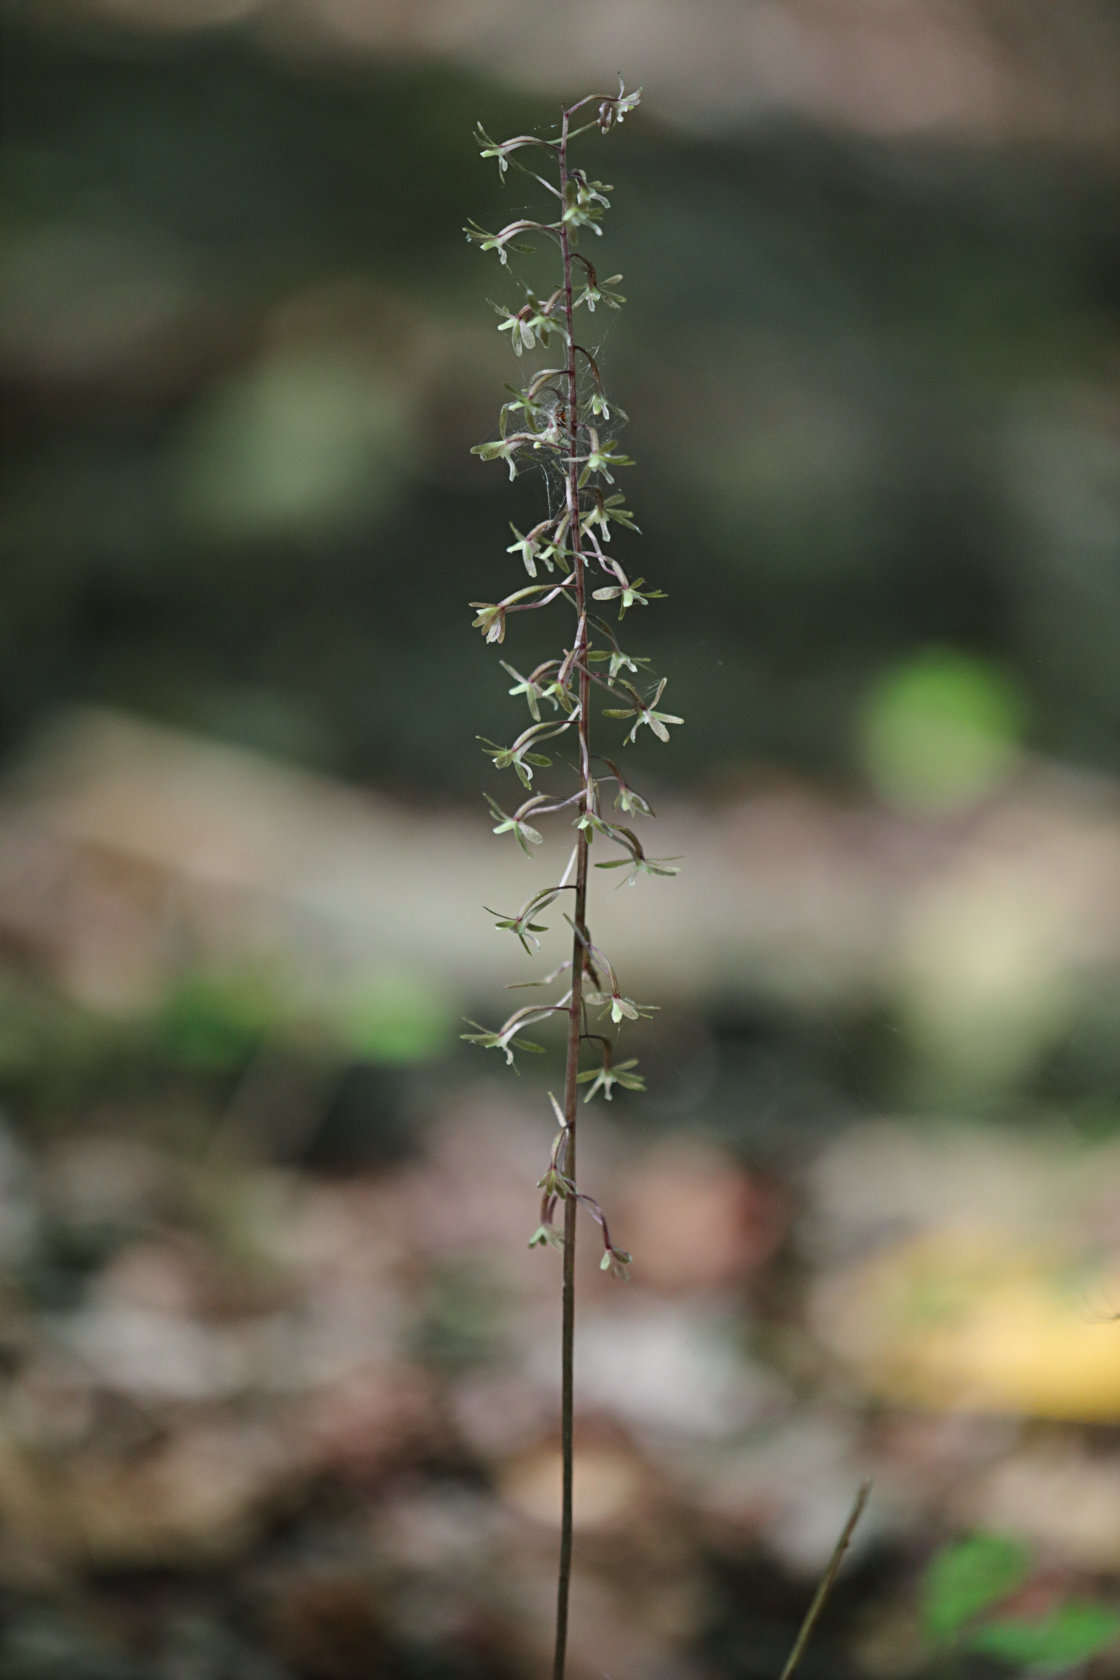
(278, 1371)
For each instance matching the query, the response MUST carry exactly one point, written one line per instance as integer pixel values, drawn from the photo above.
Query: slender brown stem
(812, 1615)
(580, 942)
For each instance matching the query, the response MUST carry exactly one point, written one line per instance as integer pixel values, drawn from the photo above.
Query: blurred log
(130, 853)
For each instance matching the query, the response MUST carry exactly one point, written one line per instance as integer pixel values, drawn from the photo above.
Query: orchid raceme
(561, 419)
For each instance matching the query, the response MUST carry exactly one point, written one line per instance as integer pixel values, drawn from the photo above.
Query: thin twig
(812, 1615)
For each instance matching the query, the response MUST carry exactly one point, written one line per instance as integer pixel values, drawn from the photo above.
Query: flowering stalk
(560, 418)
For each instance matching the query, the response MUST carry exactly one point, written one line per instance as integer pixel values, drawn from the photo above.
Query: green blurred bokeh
(872, 379)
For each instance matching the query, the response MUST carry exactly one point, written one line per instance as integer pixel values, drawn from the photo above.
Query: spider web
(548, 463)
